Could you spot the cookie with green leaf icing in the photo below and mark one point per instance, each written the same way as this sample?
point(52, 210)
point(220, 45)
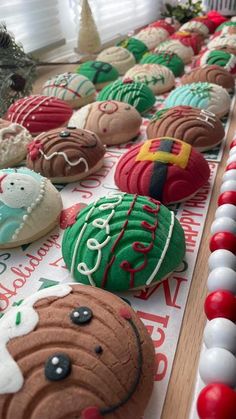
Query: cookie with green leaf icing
point(98, 72)
point(158, 77)
point(166, 58)
point(136, 46)
point(122, 242)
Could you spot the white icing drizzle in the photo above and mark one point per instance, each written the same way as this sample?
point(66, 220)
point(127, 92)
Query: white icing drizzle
point(24, 105)
point(162, 257)
point(11, 377)
point(61, 153)
point(207, 116)
point(92, 243)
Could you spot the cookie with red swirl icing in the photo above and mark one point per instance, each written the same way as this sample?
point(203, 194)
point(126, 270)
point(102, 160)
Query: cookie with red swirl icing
point(65, 155)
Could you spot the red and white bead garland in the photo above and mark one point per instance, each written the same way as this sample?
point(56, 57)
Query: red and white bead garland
point(217, 367)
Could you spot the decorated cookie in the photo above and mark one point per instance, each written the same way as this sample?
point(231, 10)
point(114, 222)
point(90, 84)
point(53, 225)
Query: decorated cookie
point(226, 30)
point(152, 37)
point(175, 46)
point(138, 95)
point(189, 39)
point(227, 24)
point(114, 122)
point(123, 242)
point(137, 47)
point(65, 155)
point(13, 143)
point(198, 127)
point(98, 72)
point(75, 89)
point(208, 22)
point(158, 77)
point(39, 113)
point(168, 59)
point(208, 96)
point(223, 42)
point(195, 26)
point(119, 57)
point(72, 351)
point(30, 207)
point(217, 57)
point(212, 74)
point(163, 168)
point(163, 24)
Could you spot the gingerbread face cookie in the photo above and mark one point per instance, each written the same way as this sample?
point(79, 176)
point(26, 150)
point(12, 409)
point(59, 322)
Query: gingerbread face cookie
point(168, 59)
point(137, 47)
point(136, 94)
point(30, 207)
point(75, 89)
point(217, 57)
point(122, 242)
point(39, 113)
point(114, 122)
point(119, 57)
point(66, 155)
point(98, 72)
point(164, 168)
point(211, 74)
point(152, 37)
point(208, 96)
point(157, 77)
point(13, 143)
point(198, 127)
point(74, 351)
point(175, 46)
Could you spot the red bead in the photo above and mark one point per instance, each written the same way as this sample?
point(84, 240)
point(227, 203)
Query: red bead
point(125, 313)
point(220, 303)
point(231, 166)
point(223, 240)
point(233, 143)
point(217, 401)
point(91, 413)
point(228, 197)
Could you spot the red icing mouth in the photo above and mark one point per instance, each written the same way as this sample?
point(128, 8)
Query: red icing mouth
point(1, 179)
point(91, 413)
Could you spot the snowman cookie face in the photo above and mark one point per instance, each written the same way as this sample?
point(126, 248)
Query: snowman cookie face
point(18, 190)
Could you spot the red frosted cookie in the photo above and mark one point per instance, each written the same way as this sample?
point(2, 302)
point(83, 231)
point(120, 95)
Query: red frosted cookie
point(164, 25)
point(163, 168)
point(39, 113)
point(189, 39)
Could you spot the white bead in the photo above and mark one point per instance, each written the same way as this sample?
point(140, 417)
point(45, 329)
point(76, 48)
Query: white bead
point(217, 365)
point(232, 151)
point(229, 175)
point(229, 185)
point(226, 210)
point(223, 224)
point(231, 159)
point(222, 257)
point(220, 333)
point(59, 370)
point(55, 360)
point(222, 278)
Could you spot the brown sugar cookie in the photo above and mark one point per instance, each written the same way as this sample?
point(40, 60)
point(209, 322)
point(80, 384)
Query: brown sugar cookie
point(65, 155)
point(73, 351)
point(211, 74)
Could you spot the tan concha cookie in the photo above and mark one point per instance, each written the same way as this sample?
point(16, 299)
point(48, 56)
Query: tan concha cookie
point(195, 26)
point(119, 57)
point(198, 127)
point(14, 139)
point(223, 42)
point(175, 46)
point(212, 74)
point(158, 78)
point(73, 351)
point(65, 155)
point(151, 36)
point(114, 122)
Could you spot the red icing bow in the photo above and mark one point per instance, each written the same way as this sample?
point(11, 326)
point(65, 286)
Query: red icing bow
point(127, 81)
point(33, 149)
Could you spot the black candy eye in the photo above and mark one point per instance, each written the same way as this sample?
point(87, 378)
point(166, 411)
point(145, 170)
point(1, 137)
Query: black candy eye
point(81, 315)
point(12, 183)
point(22, 189)
point(98, 349)
point(57, 367)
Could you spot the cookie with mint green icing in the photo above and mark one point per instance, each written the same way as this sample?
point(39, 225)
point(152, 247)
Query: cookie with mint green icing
point(166, 58)
point(136, 94)
point(208, 96)
point(98, 72)
point(217, 57)
point(122, 242)
point(137, 47)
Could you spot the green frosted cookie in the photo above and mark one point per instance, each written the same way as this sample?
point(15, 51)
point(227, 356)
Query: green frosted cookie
point(123, 241)
point(137, 47)
point(136, 94)
point(99, 72)
point(168, 59)
point(224, 24)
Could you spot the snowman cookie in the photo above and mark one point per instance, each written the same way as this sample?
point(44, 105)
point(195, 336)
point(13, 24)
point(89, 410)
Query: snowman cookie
point(30, 207)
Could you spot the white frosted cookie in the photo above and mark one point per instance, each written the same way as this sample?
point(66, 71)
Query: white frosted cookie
point(13, 143)
point(227, 42)
point(119, 57)
point(30, 207)
point(152, 37)
point(195, 26)
point(158, 78)
point(175, 46)
point(73, 88)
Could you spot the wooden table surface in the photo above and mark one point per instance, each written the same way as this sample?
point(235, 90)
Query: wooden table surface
point(183, 376)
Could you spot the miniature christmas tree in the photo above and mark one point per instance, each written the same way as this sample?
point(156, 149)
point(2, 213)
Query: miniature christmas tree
point(88, 40)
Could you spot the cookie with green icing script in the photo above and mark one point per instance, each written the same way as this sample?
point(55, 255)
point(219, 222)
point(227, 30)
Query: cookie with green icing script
point(122, 242)
point(136, 94)
point(137, 47)
point(98, 72)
